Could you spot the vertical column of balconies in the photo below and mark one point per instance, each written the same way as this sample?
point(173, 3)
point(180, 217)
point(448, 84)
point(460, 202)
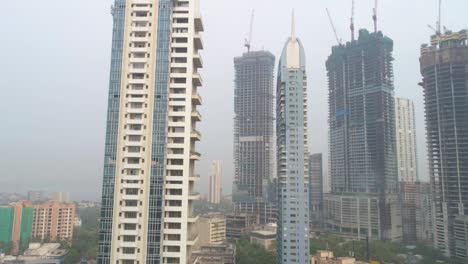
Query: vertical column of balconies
point(179, 233)
point(135, 134)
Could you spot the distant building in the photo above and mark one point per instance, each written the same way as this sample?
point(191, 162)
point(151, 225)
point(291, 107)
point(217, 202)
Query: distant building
point(316, 189)
point(36, 196)
point(253, 132)
point(407, 155)
point(363, 158)
point(16, 225)
point(49, 253)
point(238, 224)
point(444, 65)
point(264, 238)
point(215, 254)
point(61, 197)
point(53, 220)
point(215, 187)
point(326, 257)
point(424, 213)
point(211, 229)
point(409, 194)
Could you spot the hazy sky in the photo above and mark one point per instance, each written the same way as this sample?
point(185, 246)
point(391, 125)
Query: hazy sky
point(54, 69)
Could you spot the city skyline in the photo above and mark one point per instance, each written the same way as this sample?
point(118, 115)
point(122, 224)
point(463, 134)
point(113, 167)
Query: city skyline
point(89, 120)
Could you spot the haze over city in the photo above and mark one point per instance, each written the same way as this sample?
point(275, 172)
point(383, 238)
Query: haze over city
point(55, 71)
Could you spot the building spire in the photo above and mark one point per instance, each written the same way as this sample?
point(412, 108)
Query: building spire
point(293, 27)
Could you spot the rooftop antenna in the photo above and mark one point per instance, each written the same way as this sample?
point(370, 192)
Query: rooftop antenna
point(293, 27)
point(333, 27)
point(352, 21)
point(248, 42)
point(439, 19)
point(374, 16)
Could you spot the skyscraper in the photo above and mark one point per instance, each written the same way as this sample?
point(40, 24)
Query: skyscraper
point(253, 133)
point(444, 67)
point(407, 157)
point(148, 184)
point(364, 200)
point(316, 189)
point(292, 154)
point(215, 182)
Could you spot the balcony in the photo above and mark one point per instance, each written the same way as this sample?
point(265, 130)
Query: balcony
point(196, 116)
point(194, 196)
point(198, 42)
point(194, 178)
point(140, 29)
point(193, 219)
point(195, 155)
point(196, 99)
point(192, 239)
point(199, 24)
point(197, 61)
point(197, 79)
point(195, 135)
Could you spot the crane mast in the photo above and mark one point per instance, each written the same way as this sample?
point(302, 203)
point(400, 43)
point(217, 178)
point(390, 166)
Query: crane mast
point(248, 41)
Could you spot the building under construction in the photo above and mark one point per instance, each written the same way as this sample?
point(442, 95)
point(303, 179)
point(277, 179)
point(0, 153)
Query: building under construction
point(444, 67)
point(362, 139)
point(253, 134)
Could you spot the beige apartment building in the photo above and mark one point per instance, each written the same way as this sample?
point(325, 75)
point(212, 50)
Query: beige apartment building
point(212, 230)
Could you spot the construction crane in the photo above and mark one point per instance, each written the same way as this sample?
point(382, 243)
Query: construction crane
point(333, 27)
point(438, 28)
point(351, 26)
point(248, 42)
point(374, 16)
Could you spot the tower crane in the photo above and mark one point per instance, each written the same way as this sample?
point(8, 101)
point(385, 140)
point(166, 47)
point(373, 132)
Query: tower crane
point(248, 42)
point(333, 27)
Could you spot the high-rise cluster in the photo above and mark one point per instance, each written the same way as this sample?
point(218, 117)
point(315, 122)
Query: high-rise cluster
point(150, 154)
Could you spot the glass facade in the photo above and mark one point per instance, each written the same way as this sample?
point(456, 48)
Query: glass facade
point(105, 230)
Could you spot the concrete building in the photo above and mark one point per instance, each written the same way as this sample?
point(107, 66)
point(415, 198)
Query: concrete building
point(424, 213)
point(363, 159)
point(407, 158)
point(316, 190)
point(215, 254)
point(444, 65)
point(254, 159)
point(460, 230)
point(211, 229)
point(264, 238)
point(16, 226)
point(215, 186)
point(238, 224)
point(53, 221)
point(61, 197)
point(48, 253)
point(326, 257)
point(407, 155)
point(150, 152)
point(292, 154)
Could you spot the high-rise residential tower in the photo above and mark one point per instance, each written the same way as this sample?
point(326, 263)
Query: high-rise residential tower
point(253, 133)
point(407, 159)
point(407, 156)
point(316, 189)
point(150, 156)
point(292, 154)
point(364, 199)
point(215, 191)
point(444, 67)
